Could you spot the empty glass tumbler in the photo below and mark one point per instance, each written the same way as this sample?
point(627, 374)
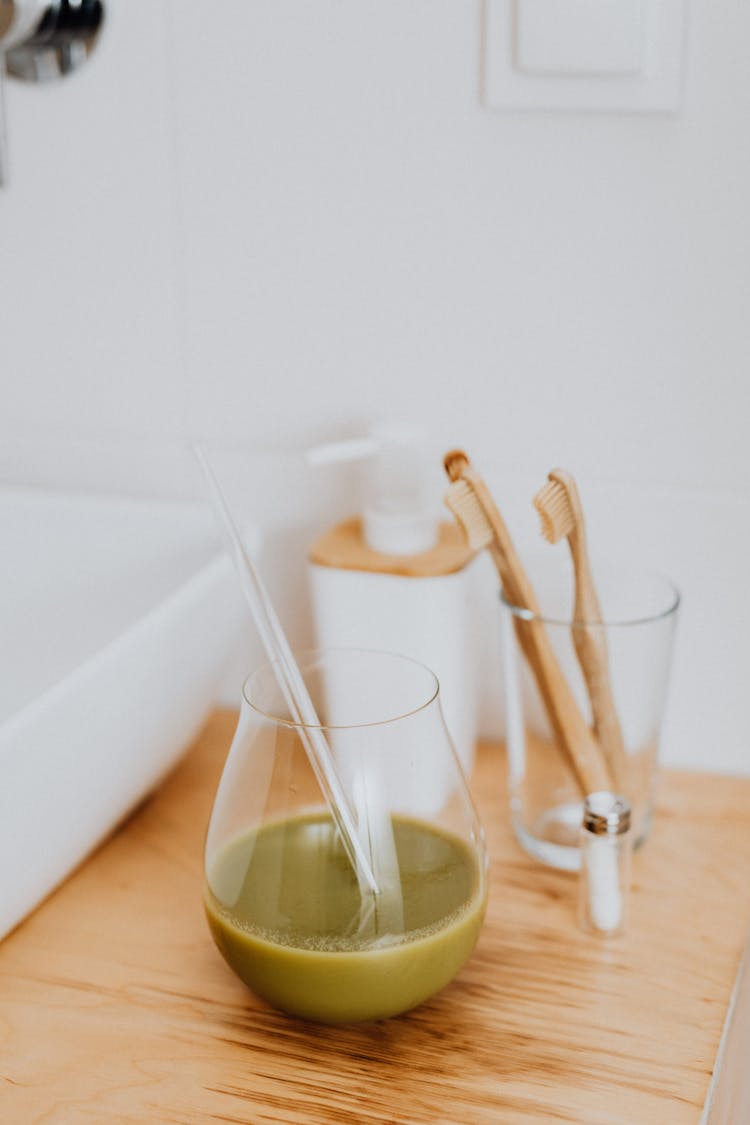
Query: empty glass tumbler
point(639, 613)
point(286, 906)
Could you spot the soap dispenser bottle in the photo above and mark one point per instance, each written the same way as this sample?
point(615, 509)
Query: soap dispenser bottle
point(396, 577)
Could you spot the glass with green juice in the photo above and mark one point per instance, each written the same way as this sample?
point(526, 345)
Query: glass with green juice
point(287, 907)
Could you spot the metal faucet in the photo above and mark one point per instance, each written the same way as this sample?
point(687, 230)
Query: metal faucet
point(42, 40)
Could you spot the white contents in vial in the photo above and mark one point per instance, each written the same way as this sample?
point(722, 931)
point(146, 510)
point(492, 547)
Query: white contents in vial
point(605, 897)
point(605, 863)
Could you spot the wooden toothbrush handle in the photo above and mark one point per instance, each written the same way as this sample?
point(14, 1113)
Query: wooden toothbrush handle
point(572, 733)
point(591, 650)
point(515, 582)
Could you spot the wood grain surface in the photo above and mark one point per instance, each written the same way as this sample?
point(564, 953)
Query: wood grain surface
point(116, 1007)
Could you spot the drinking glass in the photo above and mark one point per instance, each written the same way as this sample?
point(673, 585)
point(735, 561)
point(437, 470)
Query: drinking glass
point(286, 907)
point(639, 613)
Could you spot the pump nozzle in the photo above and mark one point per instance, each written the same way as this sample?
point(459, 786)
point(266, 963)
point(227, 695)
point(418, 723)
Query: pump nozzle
point(396, 516)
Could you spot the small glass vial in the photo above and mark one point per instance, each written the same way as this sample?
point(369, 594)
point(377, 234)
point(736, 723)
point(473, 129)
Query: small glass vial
point(604, 883)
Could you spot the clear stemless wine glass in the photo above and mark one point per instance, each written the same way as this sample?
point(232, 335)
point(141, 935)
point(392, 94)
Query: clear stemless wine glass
point(284, 903)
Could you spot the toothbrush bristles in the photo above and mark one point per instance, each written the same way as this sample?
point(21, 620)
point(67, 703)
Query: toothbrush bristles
point(468, 511)
point(455, 462)
point(555, 511)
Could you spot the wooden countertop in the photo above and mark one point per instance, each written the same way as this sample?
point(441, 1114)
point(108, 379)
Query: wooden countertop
point(116, 1007)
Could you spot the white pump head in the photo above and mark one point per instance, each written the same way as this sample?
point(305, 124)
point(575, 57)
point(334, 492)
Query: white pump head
point(396, 516)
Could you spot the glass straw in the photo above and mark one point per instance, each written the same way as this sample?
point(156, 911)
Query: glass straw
point(292, 684)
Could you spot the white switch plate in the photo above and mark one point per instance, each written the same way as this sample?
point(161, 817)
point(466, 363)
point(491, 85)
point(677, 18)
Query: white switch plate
point(579, 37)
point(615, 68)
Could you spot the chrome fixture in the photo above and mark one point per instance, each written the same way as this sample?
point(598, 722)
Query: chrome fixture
point(44, 39)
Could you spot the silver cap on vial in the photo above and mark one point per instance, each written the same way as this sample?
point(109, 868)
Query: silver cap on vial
point(606, 814)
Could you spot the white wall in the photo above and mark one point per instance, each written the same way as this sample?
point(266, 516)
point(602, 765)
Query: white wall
point(271, 225)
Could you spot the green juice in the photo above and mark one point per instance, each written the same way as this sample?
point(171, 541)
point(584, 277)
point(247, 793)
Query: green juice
point(285, 910)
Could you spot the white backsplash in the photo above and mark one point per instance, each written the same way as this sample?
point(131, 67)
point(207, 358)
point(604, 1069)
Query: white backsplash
point(269, 226)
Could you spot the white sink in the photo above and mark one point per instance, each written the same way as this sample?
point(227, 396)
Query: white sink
point(117, 620)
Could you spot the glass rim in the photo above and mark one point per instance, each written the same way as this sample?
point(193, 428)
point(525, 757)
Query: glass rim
point(672, 591)
point(340, 651)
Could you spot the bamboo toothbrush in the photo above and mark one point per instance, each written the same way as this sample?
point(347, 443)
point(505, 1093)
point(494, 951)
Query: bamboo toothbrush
point(472, 504)
point(561, 512)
